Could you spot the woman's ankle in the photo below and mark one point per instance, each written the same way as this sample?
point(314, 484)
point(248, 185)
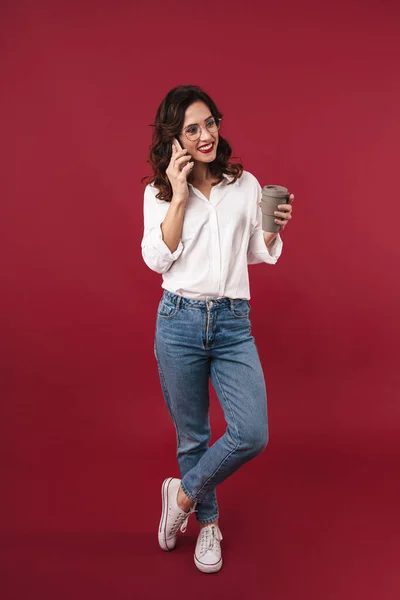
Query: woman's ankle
point(184, 502)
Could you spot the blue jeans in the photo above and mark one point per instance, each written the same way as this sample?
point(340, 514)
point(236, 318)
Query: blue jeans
point(196, 340)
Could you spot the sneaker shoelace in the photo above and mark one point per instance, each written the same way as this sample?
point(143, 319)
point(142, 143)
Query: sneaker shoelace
point(181, 522)
point(209, 540)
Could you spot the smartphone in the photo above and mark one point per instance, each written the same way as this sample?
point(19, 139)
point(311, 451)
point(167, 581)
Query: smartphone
point(177, 144)
point(180, 148)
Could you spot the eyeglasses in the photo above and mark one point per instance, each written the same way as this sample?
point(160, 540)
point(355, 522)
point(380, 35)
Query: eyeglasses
point(193, 132)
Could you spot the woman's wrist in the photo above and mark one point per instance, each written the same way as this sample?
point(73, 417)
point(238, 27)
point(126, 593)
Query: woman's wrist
point(178, 199)
point(269, 237)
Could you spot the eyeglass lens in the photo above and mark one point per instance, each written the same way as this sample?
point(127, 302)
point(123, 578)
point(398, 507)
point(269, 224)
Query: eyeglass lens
point(194, 131)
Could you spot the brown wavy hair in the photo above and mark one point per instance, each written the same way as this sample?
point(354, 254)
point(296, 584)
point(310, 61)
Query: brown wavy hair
point(168, 124)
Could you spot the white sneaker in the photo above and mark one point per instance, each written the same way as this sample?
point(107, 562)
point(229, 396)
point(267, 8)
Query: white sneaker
point(207, 556)
point(172, 517)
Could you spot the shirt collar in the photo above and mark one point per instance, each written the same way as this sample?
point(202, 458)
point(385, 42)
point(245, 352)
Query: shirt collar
point(230, 178)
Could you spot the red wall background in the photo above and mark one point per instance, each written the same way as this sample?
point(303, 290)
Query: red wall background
point(310, 95)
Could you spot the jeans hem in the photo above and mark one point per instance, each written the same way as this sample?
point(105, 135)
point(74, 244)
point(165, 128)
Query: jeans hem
point(209, 520)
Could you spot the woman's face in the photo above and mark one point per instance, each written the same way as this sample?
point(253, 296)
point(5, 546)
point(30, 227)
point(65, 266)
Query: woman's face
point(199, 113)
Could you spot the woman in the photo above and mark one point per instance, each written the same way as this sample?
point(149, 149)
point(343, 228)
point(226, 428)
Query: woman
point(202, 227)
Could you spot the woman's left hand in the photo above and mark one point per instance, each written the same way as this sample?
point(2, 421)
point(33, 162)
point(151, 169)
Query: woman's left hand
point(284, 213)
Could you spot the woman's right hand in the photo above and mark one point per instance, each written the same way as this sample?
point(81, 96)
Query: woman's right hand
point(177, 172)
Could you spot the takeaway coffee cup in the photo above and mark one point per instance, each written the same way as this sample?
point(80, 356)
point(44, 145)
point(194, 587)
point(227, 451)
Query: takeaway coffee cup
point(272, 196)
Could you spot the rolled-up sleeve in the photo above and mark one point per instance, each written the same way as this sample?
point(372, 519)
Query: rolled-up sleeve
point(155, 252)
point(257, 251)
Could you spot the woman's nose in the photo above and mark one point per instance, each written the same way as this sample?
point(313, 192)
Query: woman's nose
point(205, 135)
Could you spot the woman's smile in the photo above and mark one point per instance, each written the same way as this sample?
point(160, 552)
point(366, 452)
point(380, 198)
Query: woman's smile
point(207, 148)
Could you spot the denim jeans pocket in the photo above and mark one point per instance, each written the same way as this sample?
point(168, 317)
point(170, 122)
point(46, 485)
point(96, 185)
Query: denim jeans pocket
point(167, 309)
point(240, 308)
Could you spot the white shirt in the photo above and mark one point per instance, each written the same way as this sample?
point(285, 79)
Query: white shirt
point(220, 237)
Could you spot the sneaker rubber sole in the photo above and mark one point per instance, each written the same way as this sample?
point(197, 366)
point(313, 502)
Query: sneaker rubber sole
point(208, 568)
point(162, 539)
